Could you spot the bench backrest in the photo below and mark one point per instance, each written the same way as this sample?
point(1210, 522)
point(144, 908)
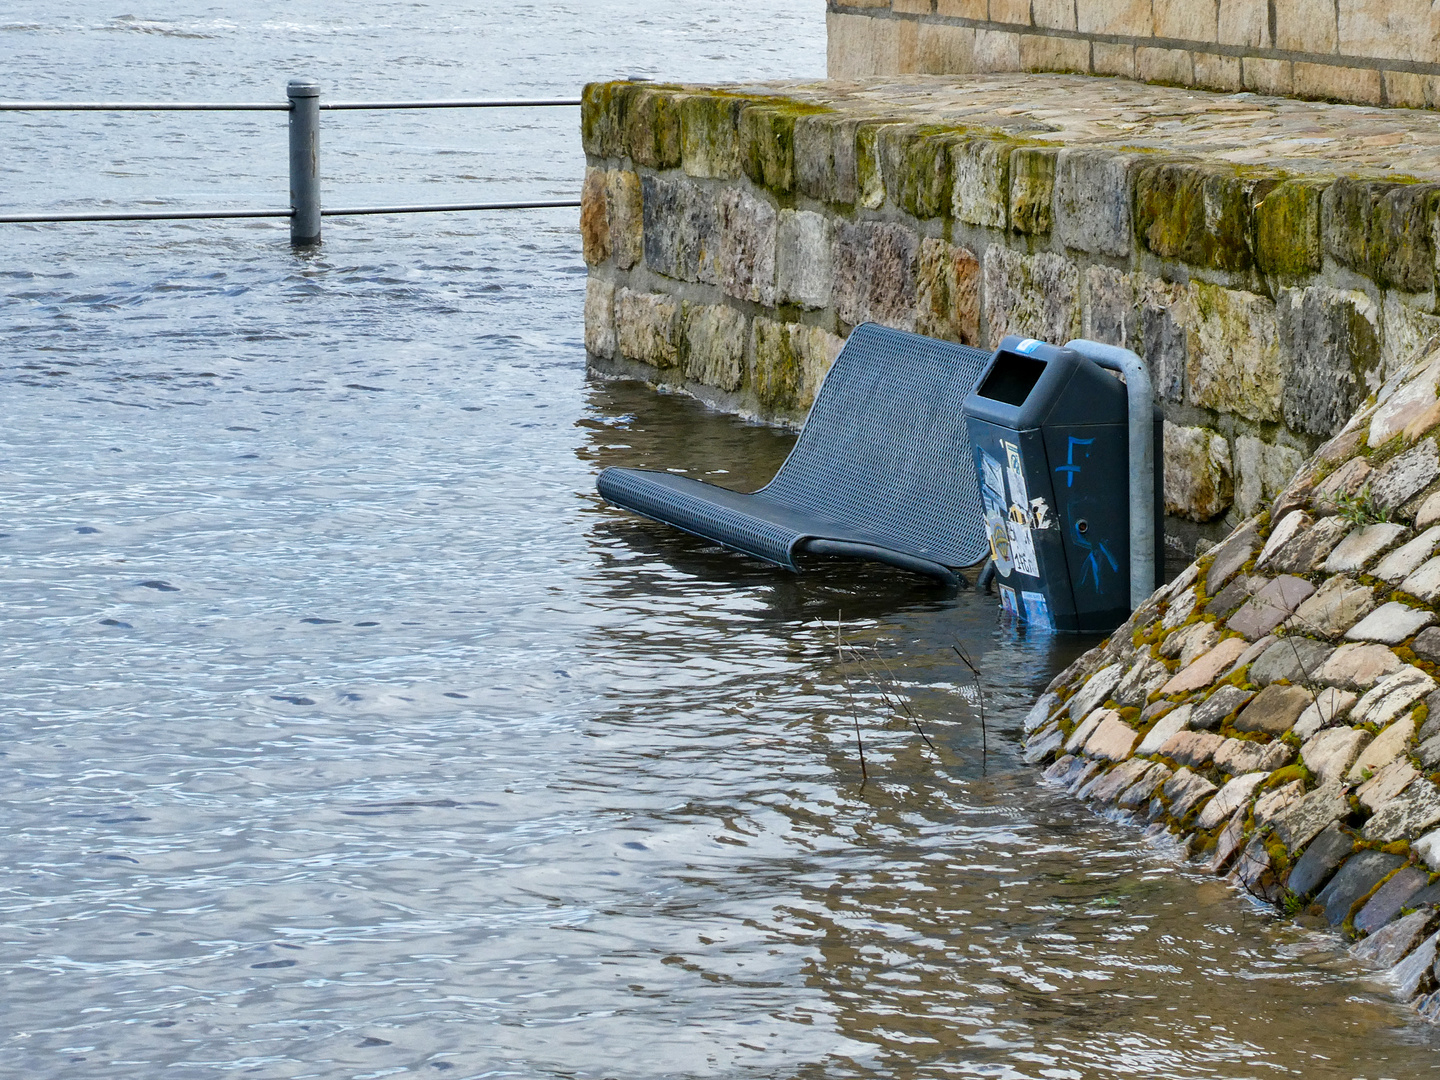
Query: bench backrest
point(884, 447)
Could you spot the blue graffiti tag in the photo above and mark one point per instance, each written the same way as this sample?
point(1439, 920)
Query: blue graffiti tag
point(1070, 468)
point(1092, 560)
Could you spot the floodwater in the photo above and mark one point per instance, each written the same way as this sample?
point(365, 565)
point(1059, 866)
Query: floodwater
point(343, 733)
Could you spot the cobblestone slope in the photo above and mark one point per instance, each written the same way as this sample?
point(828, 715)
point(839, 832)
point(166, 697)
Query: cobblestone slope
point(1277, 707)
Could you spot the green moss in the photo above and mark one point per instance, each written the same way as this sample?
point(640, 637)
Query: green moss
point(598, 120)
point(1399, 847)
point(710, 135)
point(767, 141)
point(652, 126)
point(1287, 229)
point(926, 176)
point(777, 366)
point(1287, 775)
point(1199, 214)
point(1032, 189)
point(1382, 229)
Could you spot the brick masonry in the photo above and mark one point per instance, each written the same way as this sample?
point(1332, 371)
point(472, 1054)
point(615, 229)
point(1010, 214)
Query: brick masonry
point(1272, 260)
point(1375, 52)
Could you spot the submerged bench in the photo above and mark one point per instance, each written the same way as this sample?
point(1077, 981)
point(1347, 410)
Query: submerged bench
point(882, 469)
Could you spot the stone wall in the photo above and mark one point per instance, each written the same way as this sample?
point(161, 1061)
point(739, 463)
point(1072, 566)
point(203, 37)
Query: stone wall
point(736, 235)
point(1276, 708)
point(1379, 52)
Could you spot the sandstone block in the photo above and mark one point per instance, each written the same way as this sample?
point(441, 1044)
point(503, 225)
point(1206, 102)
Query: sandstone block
point(1409, 558)
point(1310, 548)
point(1228, 844)
point(748, 231)
point(1266, 76)
point(1107, 787)
point(1330, 754)
point(1140, 792)
point(1143, 679)
point(1388, 900)
point(1271, 606)
point(816, 349)
point(1330, 708)
point(997, 50)
point(1186, 790)
point(1179, 609)
point(1382, 229)
point(1331, 341)
point(1408, 334)
point(1166, 728)
point(1199, 478)
point(1092, 200)
point(1363, 546)
point(1428, 848)
point(1360, 874)
point(594, 218)
point(646, 327)
point(1037, 296)
point(1195, 748)
point(1304, 820)
point(803, 267)
point(1335, 607)
point(1218, 707)
point(1084, 728)
point(948, 292)
point(1346, 482)
point(1128, 18)
point(1321, 859)
point(1199, 214)
point(1231, 797)
point(1236, 365)
point(919, 170)
point(1412, 812)
point(1040, 52)
point(1390, 624)
point(1391, 696)
point(714, 345)
point(1285, 531)
point(1388, 945)
point(767, 142)
point(1359, 667)
point(1424, 582)
point(1190, 642)
point(941, 49)
point(1427, 645)
point(1405, 476)
point(776, 371)
point(825, 167)
point(652, 127)
point(1275, 802)
point(1239, 756)
point(1305, 26)
point(981, 195)
point(1415, 974)
point(1385, 784)
point(1231, 555)
point(600, 317)
point(1165, 317)
point(1428, 512)
point(1275, 710)
point(709, 135)
point(1262, 471)
point(1096, 690)
point(1109, 308)
point(1206, 669)
point(1292, 658)
point(1287, 229)
point(1392, 30)
point(681, 229)
point(1404, 406)
point(1032, 189)
point(1244, 22)
point(1044, 745)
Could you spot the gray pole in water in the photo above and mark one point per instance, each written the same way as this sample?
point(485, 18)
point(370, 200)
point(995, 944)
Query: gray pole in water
point(304, 95)
point(1143, 577)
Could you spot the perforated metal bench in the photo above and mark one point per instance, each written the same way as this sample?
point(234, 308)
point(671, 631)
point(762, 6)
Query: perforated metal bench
point(882, 469)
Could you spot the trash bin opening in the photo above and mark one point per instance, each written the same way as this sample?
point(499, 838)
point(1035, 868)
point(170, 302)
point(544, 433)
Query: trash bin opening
point(1012, 378)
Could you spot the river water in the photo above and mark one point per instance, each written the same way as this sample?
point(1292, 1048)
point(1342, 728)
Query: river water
point(346, 734)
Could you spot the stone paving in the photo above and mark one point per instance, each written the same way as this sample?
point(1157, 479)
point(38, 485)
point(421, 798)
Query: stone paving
point(1298, 750)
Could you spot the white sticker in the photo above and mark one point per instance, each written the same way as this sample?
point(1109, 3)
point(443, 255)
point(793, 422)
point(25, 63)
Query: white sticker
point(1007, 600)
point(992, 495)
point(1037, 610)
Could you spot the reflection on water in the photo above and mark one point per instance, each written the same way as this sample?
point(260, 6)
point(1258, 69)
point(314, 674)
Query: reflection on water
point(347, 734)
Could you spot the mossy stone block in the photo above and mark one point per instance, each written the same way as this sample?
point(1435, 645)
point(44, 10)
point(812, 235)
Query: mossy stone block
point(652, 126)
point(924, 172)
point(776, 372)
point(1287, 228)
point(1032, 189)
point(599, 124)
point(1382, 229)
point(981, 193)
point(869, 173)
point(767, 141)
point(1198, 214)
point(710, 135)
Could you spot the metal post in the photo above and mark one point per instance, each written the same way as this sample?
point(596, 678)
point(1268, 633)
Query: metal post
point(304, 95)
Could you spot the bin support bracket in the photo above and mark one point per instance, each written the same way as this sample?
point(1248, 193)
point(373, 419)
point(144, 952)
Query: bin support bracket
point(1143, 577)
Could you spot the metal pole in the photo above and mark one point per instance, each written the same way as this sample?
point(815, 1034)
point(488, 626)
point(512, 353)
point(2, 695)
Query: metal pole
point(304, 95)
